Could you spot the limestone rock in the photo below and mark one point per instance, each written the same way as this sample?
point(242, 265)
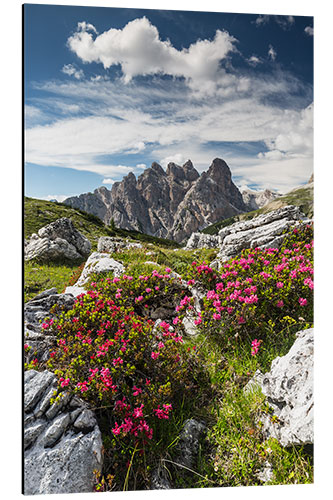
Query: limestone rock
point(35, 312)
point(189, 442)
point(257, 199)
point(263, 231)
point(97, 263)
point(201, 240)
point(58, 240)
point(112, 244)
point(63, 447)
point(289, 391)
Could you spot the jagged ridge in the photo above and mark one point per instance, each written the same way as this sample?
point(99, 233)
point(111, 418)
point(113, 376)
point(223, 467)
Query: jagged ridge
point(169, 204)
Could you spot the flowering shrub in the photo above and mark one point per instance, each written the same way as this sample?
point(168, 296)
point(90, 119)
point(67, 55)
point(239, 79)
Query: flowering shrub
point(111, 355)
point(258, 290)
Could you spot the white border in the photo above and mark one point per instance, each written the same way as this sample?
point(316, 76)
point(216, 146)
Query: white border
point(11, 82)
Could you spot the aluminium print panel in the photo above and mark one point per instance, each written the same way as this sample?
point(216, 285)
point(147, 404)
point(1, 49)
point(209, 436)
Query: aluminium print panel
point(168, 255)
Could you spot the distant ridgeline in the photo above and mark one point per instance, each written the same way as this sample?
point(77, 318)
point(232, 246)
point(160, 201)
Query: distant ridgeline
point(174, 203)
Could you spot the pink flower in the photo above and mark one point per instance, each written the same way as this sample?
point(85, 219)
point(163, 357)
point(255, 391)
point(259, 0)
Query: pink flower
point(163, 413)
point(279, 284)
point(64, 382)
point(216, 316)
point(241, 320)
point(167, 270)
point(136, 390)
point(302, 302)
point(117, 429)
point(137, 412)
point(280, 303)
point(148, 290)
point(138, 299)
point(255, 346)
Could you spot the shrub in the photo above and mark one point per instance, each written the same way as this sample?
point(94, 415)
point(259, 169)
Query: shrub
point(257, 295)
point(133, 374)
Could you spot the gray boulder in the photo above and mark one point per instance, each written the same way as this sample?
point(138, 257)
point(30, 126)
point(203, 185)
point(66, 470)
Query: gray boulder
point(35, 313)
point(58, 240)
point(201, 240)
point(62, 442)
point(112, 244)
point(263, 231)
point(97, 263)
point(288, 387)
point(188, 445)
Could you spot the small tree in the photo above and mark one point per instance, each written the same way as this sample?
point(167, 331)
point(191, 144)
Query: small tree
point(112, 224)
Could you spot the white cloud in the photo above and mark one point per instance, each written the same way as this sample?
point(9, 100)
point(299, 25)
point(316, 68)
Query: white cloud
point(285, 22)
point(274, 155)
point(272, 53)
point(58, 197)
point(108, 181)
point(70, 70)
point(309, 30)
point(254, 60)
point(261, 20)
point(83, 26)
point(140, 51)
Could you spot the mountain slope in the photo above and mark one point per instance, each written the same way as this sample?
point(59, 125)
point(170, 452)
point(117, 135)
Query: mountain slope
point(169, 204)
point(301, 197)
point(39, 213)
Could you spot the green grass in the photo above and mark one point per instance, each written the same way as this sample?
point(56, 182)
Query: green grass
point(39, 213)
point(233, 451)
point(40, 277)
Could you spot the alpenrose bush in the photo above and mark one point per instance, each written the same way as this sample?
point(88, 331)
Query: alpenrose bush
point(254, 295)
point(114, 357)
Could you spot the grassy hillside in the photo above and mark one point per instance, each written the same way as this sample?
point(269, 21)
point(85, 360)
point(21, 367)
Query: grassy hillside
point(301, 197)
point(164, 377)
point(39, 213)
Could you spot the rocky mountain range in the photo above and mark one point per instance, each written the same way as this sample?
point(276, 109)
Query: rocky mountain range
point(171, 203)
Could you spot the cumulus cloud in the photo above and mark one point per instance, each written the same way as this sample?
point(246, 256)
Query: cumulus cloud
point(70, 70)
point(138, 49)
point(108, 181)
point(272, 53)
point(309, 30)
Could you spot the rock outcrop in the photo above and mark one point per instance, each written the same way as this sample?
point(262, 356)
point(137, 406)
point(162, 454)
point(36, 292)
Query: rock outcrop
point(288, 387)
point(62, 442)
point(202, 240)
point(35, 313)
point(112, 244)
point(266, 230)
point(258, 199)
point(97, 263)
point(58, 240)
point(289, 391)
point(169, 204)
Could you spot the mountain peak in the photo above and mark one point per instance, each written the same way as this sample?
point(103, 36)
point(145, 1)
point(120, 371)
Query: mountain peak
point(156, 167)
point(219, 169)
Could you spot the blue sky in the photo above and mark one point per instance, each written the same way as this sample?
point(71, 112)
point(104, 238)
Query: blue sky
point(110, 90)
